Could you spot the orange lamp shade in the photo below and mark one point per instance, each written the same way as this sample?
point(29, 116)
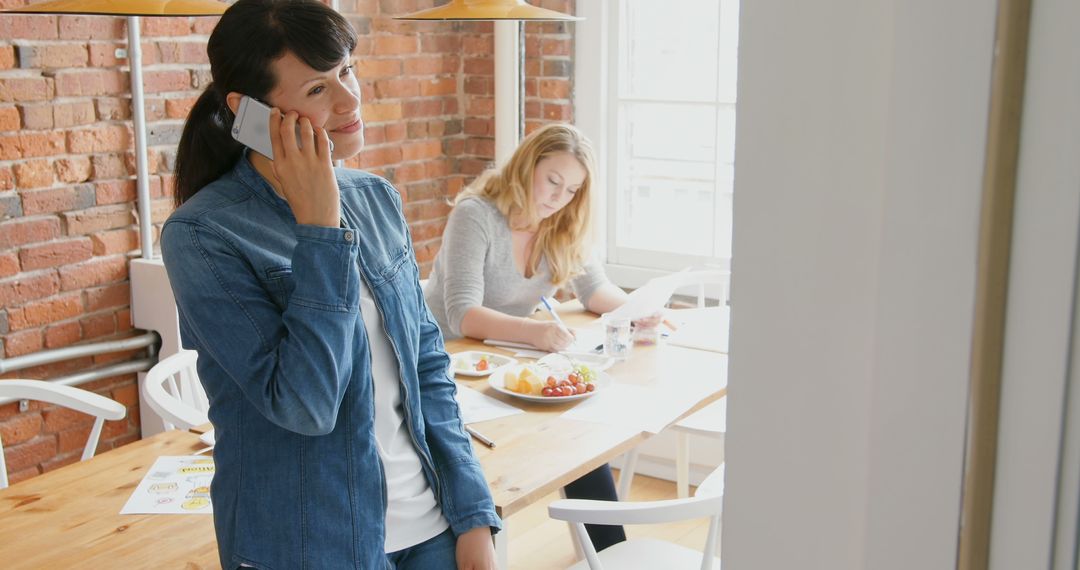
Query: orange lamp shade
point(487, 10)
point(127, 7)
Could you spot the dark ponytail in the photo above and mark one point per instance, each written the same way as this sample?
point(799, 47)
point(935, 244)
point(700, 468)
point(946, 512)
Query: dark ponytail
point(245, 42)
point(207, 149)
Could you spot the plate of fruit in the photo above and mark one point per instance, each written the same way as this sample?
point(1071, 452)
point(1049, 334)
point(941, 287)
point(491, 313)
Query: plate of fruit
point(478, 363)
point(549, 385)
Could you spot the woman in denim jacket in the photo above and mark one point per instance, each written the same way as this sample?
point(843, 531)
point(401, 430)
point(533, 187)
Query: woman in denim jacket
point(339, 442)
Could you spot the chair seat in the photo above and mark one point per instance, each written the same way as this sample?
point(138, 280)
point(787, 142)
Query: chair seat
point(710, 421)
point(647, 553)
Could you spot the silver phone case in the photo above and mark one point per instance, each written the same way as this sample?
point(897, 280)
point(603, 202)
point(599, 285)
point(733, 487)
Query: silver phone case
point(252, 127)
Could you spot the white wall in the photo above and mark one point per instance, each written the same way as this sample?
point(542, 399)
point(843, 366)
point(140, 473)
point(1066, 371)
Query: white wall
point(1041, 290)
point(859, 157)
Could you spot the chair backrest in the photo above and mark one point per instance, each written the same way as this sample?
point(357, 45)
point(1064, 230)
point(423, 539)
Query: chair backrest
point(77, 399)
point(702, 279)
point(172, 389)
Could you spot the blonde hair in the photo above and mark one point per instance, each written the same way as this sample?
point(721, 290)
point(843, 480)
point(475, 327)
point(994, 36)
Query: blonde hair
point(563, 237)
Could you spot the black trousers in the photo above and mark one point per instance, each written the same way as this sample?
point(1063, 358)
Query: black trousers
point(598, 484)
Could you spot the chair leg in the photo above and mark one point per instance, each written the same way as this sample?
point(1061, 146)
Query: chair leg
point(682, 465)
point(626, 474)
point(579, 552)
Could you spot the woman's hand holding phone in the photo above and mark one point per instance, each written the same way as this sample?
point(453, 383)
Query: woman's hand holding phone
point(305, 172)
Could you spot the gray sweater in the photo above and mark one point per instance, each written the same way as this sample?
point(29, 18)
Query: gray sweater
point(475, 267)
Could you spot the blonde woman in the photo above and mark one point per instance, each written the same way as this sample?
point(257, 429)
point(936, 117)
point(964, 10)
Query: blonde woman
point(516, 234)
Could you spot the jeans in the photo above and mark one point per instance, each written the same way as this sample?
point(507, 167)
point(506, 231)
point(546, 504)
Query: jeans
point(435, 553)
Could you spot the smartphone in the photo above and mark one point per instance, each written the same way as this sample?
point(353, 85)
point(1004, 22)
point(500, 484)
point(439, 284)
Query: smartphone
point(252, 127)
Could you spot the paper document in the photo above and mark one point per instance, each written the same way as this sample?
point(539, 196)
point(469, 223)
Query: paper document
point(703, 329)
point(651, 297)
point(476, 407)
point(175, 484)
point(588, 341)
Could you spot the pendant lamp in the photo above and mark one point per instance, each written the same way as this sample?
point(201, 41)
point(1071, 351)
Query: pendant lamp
point(126, 7)
point(488, 10)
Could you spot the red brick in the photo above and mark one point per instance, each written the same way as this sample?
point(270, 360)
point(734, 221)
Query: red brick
point(20, 428)
point(182, 52)
point(481, 106)
point(395, 45)
point(7, 182)
point(74, 169)
point(113, 242)
point(97, 271)
point(28, 27)
point(7, 57)
point(115, 295)
point(113, 108)
point(477, 45)
point(428, 65)
point(204, 25)
point(478, 66)
point(436, 169)
point(91, 28)
point(479, 86)
point(106, 166)
point(555, 88)
point(368, 69)
point(53, 56)
point(479, 127)
point(395, 132)
point(45, 311)
point(123, 320)
point(73, 114)
point(20, 343)
point(84, 82)
point(55, 253)
point(59, 418)
point(20, 231)
point(9, 264)
point(27, 287)
point(113, 430)
point(381, 112)
point(440, 43)
point(17, 89)
point(33, 174)
point(179, 108)
point(63, 334)
point(421, 149)
point(30, 453)
point(104, 54)
point(99, 325)
point(38, 116)
point(30, 145)
point(550, 47)
point(445, 86)
point(103, 138)
point(97, 219)
point(396, 88)
point(9, 119)
point(168, 80)
point(558, 112)
point(166, 26)
point(115, 191)
point(128, 395)
point(422, 108)
point(56, 200)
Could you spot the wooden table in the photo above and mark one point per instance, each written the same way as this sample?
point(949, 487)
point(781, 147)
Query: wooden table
point(540, 451)
point(69, 518)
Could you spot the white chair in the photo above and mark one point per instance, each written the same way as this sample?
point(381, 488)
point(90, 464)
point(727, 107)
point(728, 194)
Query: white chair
point(647, 553)
point(76, 399)
point(710, 421)
point(173, 391)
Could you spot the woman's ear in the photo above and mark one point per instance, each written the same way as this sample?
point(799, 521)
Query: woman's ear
point(233, 100)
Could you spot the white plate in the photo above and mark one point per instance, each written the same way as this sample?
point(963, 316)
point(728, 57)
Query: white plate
point(469, 359)
point(602, 382)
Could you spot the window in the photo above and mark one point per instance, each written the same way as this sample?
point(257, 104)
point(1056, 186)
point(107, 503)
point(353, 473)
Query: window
point(656, 92)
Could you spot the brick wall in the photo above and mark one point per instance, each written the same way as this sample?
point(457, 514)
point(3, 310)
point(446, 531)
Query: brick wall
point(67, 188)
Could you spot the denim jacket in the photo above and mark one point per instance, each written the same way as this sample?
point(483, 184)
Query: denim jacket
point(273, 308)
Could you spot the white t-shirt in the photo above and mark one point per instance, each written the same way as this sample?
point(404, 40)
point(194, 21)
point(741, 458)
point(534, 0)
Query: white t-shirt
point(412, 515)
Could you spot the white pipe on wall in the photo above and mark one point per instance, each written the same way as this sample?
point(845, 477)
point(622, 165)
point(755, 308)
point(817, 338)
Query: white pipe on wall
point(507, 89)
point(138, 112)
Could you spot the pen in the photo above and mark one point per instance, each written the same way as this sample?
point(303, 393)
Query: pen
point(554, 315)
point(480, 437)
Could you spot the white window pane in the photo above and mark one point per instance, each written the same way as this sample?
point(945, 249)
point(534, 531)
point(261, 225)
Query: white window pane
point(662, 214)
point(670, 132)
point(666, 52)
